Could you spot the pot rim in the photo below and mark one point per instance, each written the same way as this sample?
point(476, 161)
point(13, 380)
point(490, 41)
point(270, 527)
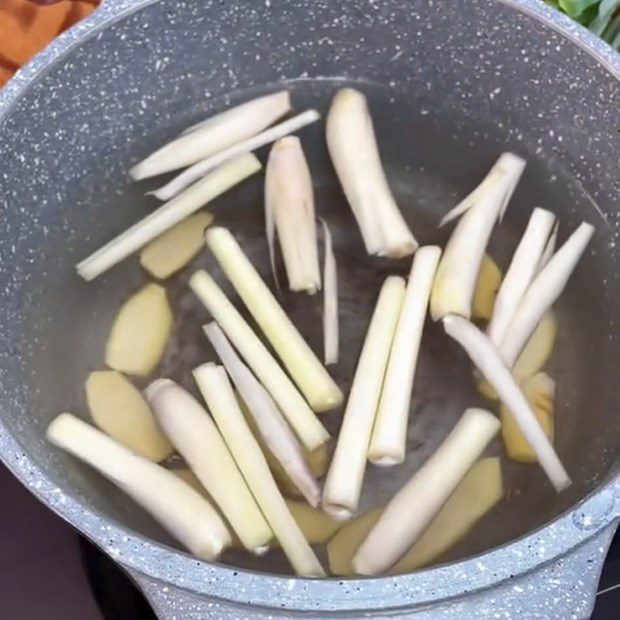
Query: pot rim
point(178, 569)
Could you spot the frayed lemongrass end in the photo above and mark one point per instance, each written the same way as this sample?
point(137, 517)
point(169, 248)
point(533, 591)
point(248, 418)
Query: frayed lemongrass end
point(331, 338)
point(507, 170)
point(487, 358)
point(193, 173)
point(457, 274)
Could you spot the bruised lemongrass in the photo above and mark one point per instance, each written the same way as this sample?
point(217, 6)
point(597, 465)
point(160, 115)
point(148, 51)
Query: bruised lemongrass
point(181, 510)
point(389, 434)
point(413, 508)
point(343, 485)
point(220, 398)
point(276, 433)
point(488, 360)
point(216, 134)
point(331, 335)
point(546, 287)
point(289, 206)
point(354, 152)
point(193, 198)
point(199, 169)
point(458, 269)
point(319, 389)
point(295, 409)
point(521, 272)
point(192, 431)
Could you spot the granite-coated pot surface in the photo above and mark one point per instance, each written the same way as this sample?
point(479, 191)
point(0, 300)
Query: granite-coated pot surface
point(451, 85)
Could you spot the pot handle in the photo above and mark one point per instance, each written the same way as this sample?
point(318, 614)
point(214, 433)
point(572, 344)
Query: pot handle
point(564, 588)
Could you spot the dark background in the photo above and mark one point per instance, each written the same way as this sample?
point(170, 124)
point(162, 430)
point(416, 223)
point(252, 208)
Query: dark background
point(48, 571)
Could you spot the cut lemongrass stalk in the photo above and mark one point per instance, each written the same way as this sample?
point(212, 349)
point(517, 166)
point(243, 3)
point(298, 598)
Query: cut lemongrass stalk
point(413, 508)
point(343, 485)
point(220, 399)
point(353, 149)
point(389, 434)
point(546, 287)
point(521, 272)
point(193, 433)
point(193, 198)
point(331, 335)
point(274, 430)
point(302, 364)
point(180, 509)
point(549, 248)
point(540, 393)
point(457, 273)
point(216, 134)
point(289, 197)
point(302, 419)
point(199, 169)
point(488, 360)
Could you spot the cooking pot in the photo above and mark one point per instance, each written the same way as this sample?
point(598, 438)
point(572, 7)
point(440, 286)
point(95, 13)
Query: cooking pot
point(450, 85)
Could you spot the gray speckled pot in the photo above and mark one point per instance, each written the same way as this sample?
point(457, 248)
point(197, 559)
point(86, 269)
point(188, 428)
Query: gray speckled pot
point(512, 73)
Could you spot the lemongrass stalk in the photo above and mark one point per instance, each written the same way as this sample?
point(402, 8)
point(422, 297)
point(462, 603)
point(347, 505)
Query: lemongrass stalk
point(487, 359)
point(214, 135)
point(549, 248)
point(174, 504)
point(302, 419)
point(521, 272)
point(457, 273)
point(331, 334)
point(289, 197)
point(354, 152)
point(220, 398)
point(389, 434)
point(543, 292)
point(275, 432)
point(306, 370)
point(199, 169)
point(413, 508)
point(193, 198)
point(345, 477)
point(193, 433)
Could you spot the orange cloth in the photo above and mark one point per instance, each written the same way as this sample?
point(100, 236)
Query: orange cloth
point(27, 27)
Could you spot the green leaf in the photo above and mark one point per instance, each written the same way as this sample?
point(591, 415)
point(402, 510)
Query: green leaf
point(575, 8)
point(606, 11)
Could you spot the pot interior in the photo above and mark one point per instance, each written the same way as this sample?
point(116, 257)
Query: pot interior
point(447, 96)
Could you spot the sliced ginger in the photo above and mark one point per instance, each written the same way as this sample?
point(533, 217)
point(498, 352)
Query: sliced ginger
point(478, 492)
point(540, 392)
point(140, 332)
point(175, 248)
point(534, 356)
point(316, 526)
point(119, 409)
point(489, 280)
